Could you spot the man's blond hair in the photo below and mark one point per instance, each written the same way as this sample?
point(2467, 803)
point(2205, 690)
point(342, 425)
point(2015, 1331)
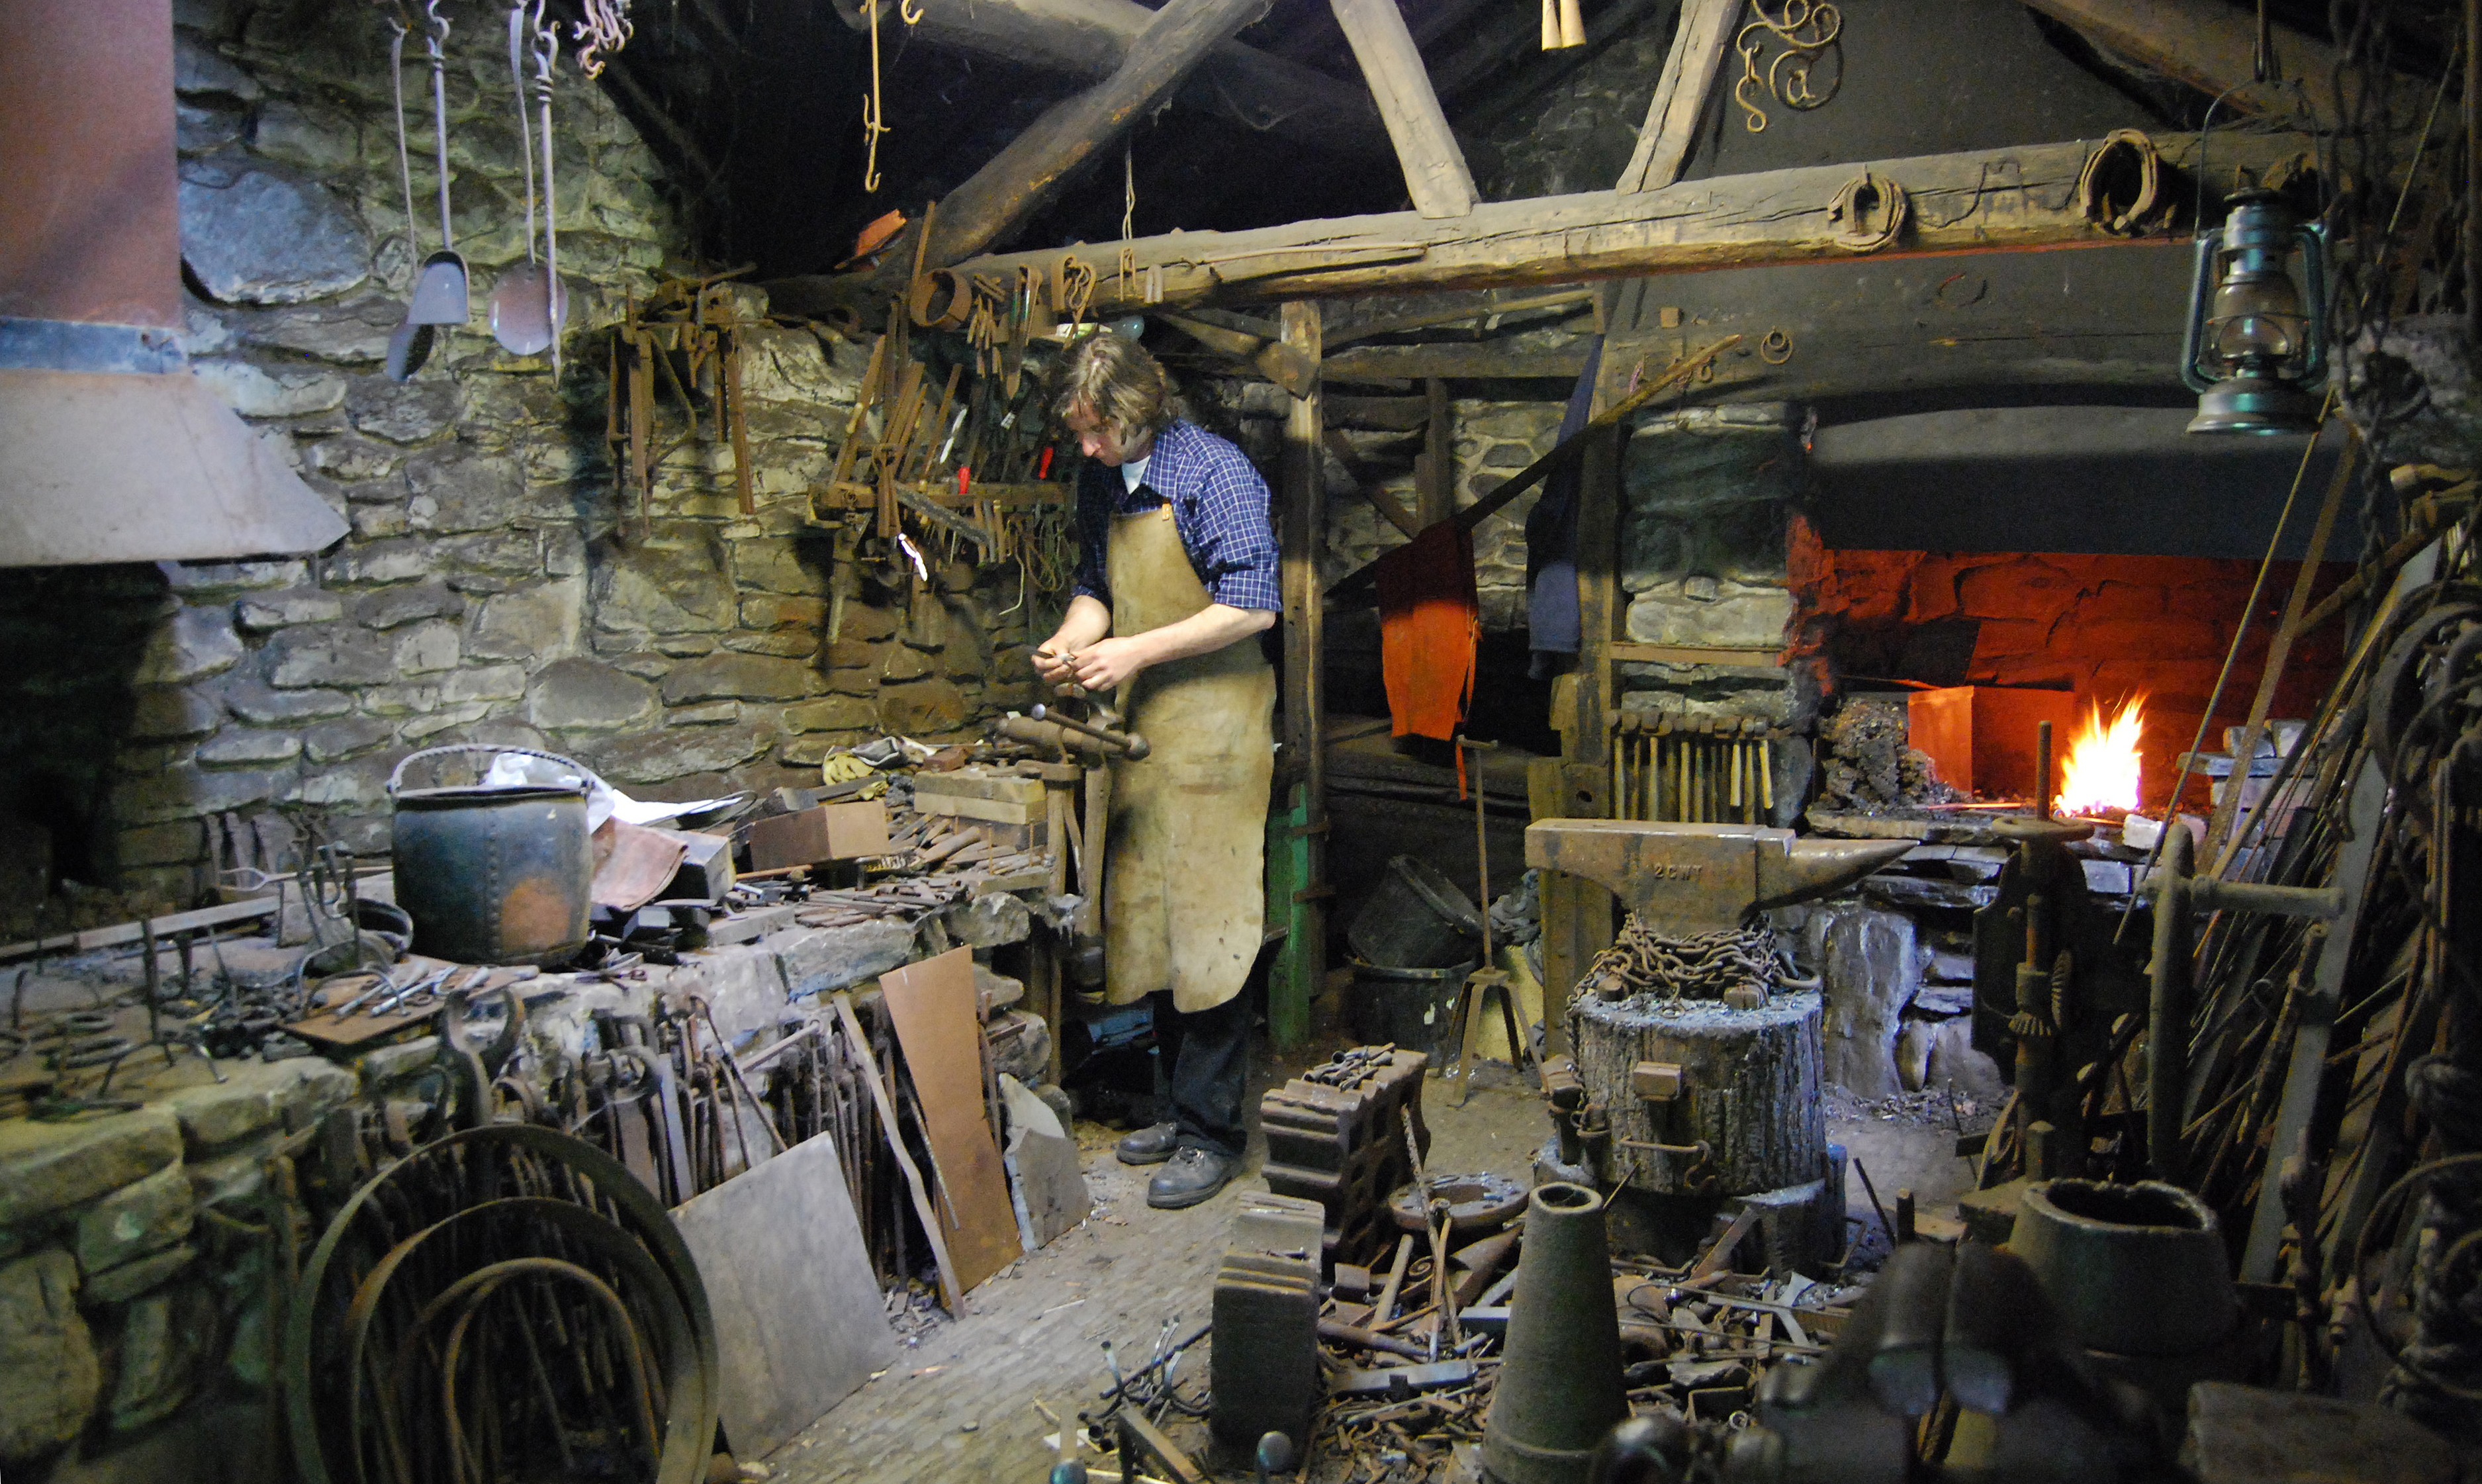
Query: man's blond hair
point(1111, 379)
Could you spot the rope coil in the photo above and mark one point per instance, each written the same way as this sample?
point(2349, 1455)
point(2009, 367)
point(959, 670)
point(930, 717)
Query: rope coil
point(1852, 209)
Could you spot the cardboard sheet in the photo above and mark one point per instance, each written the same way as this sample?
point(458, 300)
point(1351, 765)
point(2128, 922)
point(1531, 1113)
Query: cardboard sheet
point(932, 1005)
point(798, 1314)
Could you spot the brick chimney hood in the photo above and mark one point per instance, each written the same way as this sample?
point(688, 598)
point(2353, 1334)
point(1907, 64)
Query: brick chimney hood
point(109, 449)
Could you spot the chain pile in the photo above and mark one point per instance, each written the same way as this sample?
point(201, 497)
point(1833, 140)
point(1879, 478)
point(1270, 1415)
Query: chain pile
point(1703, 966)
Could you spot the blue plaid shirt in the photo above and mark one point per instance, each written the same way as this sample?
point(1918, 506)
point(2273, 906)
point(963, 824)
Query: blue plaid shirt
point(1219, 506)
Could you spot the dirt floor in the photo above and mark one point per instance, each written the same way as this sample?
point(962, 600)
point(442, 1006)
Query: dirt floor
point(965, 1400)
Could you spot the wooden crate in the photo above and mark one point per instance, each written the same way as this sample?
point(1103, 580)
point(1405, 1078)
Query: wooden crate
point(1981, 737)
point(831, 832)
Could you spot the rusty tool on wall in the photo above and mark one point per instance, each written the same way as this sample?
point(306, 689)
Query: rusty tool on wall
point(524, 312)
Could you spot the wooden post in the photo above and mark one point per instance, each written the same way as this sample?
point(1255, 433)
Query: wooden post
point(1576, 913)
point(1435, 167)
point(1435, 493)
point(1300, 532)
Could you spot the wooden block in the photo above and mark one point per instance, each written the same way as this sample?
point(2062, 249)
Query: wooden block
point(832, 832)
point(1352, 1284)
point(1000, 811)
point(1656, 1081)
point(978, 784)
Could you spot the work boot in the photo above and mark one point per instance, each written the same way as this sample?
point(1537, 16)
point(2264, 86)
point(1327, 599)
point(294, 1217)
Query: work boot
point(1151, 1145)
point(1192, 1176)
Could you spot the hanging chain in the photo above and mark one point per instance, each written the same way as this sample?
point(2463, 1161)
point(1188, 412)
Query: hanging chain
point(1703, 966)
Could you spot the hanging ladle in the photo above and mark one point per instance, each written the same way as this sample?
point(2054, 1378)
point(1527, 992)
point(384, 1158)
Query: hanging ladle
point(522, 317)
point(440, 296)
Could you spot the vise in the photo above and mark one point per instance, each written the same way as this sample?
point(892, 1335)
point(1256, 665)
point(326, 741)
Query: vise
point(1684, 879)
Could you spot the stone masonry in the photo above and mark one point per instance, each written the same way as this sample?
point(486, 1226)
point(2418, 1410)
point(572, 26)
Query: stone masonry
point(494, 587)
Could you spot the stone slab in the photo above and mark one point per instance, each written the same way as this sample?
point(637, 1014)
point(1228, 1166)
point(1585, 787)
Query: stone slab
point(259, 1095)
point(49, 1167)
point(137, 1219)
point(816, 960)
point(120, 1284)
point(49, 1374)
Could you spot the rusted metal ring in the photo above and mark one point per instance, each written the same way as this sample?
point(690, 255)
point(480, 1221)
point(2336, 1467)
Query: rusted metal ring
point(941, 300)
point(1478, 1205)
point(1775, 347)
point(608, 1179)
point(690, 1393)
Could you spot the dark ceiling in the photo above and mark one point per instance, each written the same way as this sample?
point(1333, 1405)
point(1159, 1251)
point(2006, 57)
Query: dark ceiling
point(762, 108)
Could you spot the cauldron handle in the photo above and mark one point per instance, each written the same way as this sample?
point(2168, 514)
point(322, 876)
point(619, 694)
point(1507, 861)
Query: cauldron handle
point(396, 779)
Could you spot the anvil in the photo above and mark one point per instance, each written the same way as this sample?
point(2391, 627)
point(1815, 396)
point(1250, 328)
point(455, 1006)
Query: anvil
point(1685, 879)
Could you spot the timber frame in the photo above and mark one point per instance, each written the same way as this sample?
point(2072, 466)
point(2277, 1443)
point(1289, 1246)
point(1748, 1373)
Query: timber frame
point(2016, 198)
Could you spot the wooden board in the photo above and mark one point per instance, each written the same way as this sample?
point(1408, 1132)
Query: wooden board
point(932, 1005)
point(798, 1314)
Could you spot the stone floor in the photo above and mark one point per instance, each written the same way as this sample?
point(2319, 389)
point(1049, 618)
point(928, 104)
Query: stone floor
point(960, 1403)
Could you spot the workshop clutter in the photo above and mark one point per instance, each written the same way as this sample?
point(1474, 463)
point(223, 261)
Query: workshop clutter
point(695, 1050)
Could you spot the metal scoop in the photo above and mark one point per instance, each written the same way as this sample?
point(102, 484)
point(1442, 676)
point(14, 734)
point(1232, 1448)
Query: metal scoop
point(410, 345)
point(523, 320)
point(442, 295)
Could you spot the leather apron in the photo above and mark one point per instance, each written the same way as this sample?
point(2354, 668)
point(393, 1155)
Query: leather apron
point(1184, 891)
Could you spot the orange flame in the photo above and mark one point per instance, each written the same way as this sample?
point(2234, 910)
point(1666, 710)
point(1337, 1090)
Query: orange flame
point(2101, 771)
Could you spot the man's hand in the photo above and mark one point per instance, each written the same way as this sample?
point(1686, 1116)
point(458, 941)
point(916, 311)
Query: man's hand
point(1103, 665)
point(1054, 662)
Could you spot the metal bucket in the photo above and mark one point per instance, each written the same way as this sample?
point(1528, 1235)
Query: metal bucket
point(1416, 919)
point(493, 875)
point(1413, 1008)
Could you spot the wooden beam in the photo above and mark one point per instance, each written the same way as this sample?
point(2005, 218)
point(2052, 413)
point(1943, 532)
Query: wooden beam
point(1924, 330)
point(1454, 363)
point(1435, 167)
point(1300, 532)
point(1271, 359)
point(1026, 175)
point(1434, 495)
point(1088, 40)
point(2018, 197)
point(2206, 45)
point(1367, 486)
point(1698, 46)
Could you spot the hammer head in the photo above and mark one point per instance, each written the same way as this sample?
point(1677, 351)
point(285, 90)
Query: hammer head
point(1685, 879)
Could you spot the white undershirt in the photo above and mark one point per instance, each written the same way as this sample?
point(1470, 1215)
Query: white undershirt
point(1134, 472)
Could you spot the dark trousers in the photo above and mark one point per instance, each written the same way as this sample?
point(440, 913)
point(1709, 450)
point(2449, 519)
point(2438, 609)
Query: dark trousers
point(1206, 1058)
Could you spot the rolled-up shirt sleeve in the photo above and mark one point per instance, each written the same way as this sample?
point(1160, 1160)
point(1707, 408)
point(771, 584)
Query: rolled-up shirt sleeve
point(1094, 524)
point(1231, 539)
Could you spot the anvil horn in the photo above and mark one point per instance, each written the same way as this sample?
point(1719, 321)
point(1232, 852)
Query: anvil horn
point(1811, 869)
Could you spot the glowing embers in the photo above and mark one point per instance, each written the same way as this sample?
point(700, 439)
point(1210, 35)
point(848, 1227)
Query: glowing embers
point(2099, 774)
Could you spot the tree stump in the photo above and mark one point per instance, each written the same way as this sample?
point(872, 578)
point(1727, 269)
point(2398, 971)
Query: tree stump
point(1749, 1090)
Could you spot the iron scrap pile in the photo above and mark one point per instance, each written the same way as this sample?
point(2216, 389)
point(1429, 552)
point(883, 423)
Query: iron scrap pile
point(1697, 1344)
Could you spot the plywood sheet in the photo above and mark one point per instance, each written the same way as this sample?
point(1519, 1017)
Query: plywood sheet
point(797, 1313)
point(932, 1005)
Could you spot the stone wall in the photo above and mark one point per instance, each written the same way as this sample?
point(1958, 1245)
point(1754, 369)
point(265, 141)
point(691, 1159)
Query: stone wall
point(495, 585)
point(1703, 561)
point(1578, 135)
